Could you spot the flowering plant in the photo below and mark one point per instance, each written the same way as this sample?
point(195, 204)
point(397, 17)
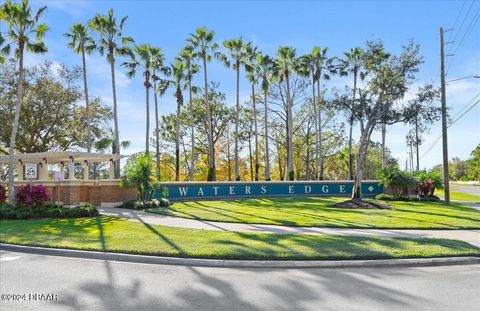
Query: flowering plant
point(34, 196)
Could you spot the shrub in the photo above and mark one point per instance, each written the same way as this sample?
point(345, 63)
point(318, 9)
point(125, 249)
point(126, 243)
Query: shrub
point(397, 180)
point(130, 204)
point(428, 182)
point(34, 196)
point(139, 173)
point(51, 211)
point(138, 205)
point(3, 194)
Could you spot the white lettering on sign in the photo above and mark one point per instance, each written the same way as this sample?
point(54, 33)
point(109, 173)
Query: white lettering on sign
point(290, 189)
point(183, 191)
point(232, 190)
point(247, 190)
point(325, 189)
point(308, 189)
point(31, 171)
point(263, 189)
point(342, 188)
point(215, 189)
point(200, 191)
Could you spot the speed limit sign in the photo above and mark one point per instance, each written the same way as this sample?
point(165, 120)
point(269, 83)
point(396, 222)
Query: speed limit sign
point(31, 171)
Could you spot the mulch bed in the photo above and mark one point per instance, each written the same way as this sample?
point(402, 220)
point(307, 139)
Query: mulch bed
point(358, 203)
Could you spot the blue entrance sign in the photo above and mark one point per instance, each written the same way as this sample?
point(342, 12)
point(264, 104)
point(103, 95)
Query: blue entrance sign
point(182, 191)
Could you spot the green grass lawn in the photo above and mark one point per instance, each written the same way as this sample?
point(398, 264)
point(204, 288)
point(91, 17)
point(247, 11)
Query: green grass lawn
point(120, 235)
point(463, 197)
point(315, 212)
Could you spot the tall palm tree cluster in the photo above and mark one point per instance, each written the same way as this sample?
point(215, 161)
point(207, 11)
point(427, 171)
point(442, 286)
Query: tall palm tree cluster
point(104, 34)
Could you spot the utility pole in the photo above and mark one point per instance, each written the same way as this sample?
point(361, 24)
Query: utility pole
point(444, 120)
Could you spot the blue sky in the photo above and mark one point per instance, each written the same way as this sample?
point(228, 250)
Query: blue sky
point(338, 25)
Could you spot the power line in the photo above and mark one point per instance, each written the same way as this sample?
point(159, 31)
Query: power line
point(462, 78)
point(464, 107)
point(453, 122)
point(471, 107)
point(453, 50)
point(456, 20)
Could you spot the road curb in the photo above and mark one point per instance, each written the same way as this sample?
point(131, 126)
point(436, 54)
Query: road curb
point(218, 263)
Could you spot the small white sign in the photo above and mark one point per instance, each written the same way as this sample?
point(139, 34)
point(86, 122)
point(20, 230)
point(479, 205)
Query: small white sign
point(31, 171)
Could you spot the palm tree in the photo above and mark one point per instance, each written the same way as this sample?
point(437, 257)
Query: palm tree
point(313, 65)
point(2, 41)
point(179, 72)
point(202, 43)
point(81, 42)
point(158, 65)
point(112, 43)
point(22, 24)
point(308, 69)
point(235, 58)
point(186, 55)
point(144, 59)
point(352, 64)
point(286, 64)
point(265, 64)
point(323, 68)
point(253, 70)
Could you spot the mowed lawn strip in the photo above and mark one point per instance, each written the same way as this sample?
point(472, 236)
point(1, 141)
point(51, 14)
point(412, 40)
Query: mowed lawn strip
point(463, 197)
point(316, 212)
point(126, 236)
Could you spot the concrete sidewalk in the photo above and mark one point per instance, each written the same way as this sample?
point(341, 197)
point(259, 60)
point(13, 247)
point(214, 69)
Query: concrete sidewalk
point(469, 236)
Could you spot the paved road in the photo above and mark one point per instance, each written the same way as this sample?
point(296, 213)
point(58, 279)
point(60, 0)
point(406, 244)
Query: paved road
point(83, 284)
point(475, 190)
point(469, 236)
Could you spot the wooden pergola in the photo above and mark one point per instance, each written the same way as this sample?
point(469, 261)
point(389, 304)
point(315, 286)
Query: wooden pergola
point(61, 158)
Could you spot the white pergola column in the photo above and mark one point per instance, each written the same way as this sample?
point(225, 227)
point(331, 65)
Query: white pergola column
point(62, 170)
point(20, 170)
point(86, 170)
point(111, 170)
point(71, 169)
point(44, 170)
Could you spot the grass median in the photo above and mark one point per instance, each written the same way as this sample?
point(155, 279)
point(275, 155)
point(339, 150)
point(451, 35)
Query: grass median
point(316, 212)
point(119, 235)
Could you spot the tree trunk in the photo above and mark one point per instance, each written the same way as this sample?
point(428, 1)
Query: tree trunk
point(237, 116)
point(192, 130)
point(115, 115)
point(290, 172)
point(250, 156)
point(320, 151)
point(157, 132)
point(177, 135)
point(87, 103)
point(147, 119)
point(362, 151)
point(267, 156)
point(417, 143)
point(229, 158)
point(350, 160)
point(211, 147)
point(317, 138)
point(384, 131)
point(13, 137)
point(256, 131)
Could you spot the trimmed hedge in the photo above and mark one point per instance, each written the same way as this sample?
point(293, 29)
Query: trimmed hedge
point(139, 205)
point(50, 211)
point(388, 197)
